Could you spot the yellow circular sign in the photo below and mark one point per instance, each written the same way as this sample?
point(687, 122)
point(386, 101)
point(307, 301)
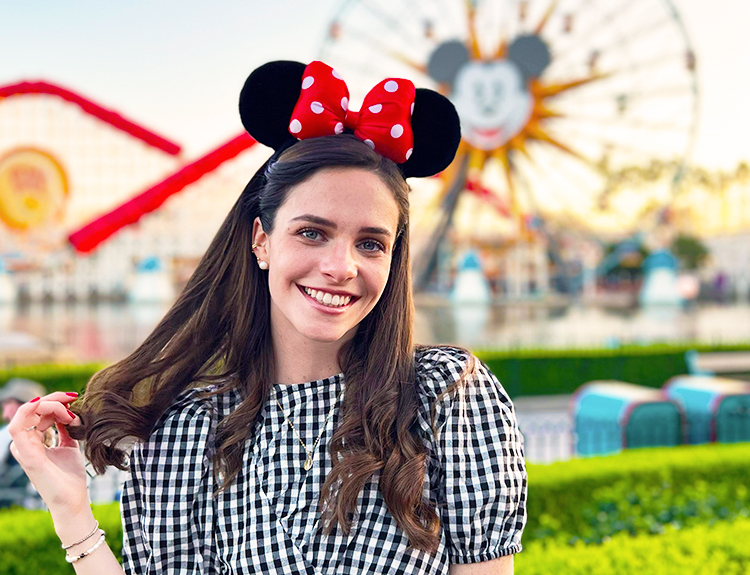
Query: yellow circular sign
point(33, 189)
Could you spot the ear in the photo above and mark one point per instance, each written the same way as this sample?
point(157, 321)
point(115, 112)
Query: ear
point(530, 54)
point(437, 134)
point(446, 60)
point(267, 101)
point(260, 239)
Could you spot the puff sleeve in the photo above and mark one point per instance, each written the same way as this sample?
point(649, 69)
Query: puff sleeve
point(481, 480)
point(166, 501)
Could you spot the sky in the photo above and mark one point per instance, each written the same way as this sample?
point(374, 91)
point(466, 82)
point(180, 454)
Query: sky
point(176, 67)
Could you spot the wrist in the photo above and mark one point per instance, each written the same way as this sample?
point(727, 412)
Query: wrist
point(70, 527)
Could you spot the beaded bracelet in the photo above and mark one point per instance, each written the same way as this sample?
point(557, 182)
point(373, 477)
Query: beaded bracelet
point(89, 536)
point(79, 556)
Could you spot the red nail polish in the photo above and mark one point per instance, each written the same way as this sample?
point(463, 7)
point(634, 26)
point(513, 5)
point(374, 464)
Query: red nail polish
point(33, 400)
point(71, 393)
point(70, 413)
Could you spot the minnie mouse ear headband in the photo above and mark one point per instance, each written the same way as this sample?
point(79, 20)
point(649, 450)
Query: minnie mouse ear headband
point(283, 102)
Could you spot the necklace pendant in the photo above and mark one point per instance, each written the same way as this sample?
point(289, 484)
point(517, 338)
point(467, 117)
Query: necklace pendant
point(308, 463)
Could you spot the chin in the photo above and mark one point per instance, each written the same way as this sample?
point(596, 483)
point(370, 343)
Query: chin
point(326, 335)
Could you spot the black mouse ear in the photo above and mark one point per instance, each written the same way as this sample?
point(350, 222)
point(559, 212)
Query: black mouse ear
point(437, 133)
point(530, 54)
point(446, 60)
point(267, 101)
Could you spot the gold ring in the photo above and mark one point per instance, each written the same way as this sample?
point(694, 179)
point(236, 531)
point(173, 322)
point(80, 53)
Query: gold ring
point(32, 428)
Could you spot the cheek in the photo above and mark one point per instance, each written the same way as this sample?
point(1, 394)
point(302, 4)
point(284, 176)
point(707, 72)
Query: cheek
point(379, 279)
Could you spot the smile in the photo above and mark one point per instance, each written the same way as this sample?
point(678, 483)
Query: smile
point(327, 299)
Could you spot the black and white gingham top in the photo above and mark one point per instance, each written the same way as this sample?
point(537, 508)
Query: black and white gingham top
point(268, 520)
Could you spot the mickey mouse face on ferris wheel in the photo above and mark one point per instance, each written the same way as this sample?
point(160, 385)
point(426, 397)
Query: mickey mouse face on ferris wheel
point(492, 97)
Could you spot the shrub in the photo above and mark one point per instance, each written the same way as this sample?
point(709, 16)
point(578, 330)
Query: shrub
point(547, 372)
point(54, 377)
point(29, 544)
point(720, 549)
point(637, 491)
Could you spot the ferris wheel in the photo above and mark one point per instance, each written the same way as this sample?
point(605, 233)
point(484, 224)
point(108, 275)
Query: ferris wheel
point(579, 112)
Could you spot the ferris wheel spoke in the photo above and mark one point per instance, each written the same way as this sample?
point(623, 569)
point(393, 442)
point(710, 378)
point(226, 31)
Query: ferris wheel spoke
point(561, 52)
point(614, 47)
point(364, 70)
point(392, 25)
point(630, 38)
point(629, 124)
point(376, 45)
point(646, 65)
point(544, 170)
point(622, 100)
point(609, 147)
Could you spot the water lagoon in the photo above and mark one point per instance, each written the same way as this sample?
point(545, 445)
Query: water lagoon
point(109, 331)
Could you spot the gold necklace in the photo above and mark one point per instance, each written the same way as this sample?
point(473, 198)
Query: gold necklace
point(308, 461)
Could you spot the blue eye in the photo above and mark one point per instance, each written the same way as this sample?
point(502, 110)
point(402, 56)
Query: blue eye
point(372, 246)
point(310, 234)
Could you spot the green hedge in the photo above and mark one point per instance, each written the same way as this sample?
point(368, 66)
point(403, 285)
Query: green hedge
point(548, 372)
point(522, 371)
point(639, 490)
point(721, 549)
point(29, 544)
point(55, 377)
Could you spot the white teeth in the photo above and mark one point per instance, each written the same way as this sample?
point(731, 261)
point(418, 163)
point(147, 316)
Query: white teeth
point(328, 299)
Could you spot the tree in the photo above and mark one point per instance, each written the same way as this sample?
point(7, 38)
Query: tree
point(690, 251)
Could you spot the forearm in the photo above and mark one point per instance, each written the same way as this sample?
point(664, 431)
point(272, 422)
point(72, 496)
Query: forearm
point(74, 528)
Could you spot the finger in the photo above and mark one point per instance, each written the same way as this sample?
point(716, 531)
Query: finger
point(61, 396)
point(41, 414)
point(66, 398)
point(26, 446)
point(65, 439)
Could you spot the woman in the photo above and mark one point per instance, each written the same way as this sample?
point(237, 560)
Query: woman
point(284, 421)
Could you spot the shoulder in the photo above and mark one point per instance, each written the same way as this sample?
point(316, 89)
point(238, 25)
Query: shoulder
point(437, 368)
point(450, 378)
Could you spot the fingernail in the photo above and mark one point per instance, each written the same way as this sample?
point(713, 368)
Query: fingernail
point(71, 393)
point(71, 414)
point(33, 400)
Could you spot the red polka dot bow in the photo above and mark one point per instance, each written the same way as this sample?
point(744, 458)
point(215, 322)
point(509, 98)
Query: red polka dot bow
point(383, 123)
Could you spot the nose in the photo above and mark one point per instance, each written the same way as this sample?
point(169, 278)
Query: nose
point(339, 263)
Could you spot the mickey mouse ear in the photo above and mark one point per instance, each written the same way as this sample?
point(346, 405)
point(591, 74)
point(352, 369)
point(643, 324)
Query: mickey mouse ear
point(271, 92)
point(437, 133)
point(267, 101)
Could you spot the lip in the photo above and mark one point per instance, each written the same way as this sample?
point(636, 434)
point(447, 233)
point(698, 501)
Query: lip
point(325, 309)
point(487, 132)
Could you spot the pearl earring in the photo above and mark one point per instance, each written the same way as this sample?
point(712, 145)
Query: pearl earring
point(261, 264)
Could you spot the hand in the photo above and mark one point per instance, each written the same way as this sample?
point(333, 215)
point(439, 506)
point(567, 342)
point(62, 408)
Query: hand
point(57, 472)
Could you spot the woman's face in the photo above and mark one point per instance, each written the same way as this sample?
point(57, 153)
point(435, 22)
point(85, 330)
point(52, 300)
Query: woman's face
point(329, 254)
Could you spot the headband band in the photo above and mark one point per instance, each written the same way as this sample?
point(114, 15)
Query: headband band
point(418, 129)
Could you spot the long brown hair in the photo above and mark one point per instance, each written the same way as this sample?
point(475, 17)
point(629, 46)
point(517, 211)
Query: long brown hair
point(218, 331)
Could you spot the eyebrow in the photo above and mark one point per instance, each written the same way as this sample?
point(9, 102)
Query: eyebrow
point(329, 224)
